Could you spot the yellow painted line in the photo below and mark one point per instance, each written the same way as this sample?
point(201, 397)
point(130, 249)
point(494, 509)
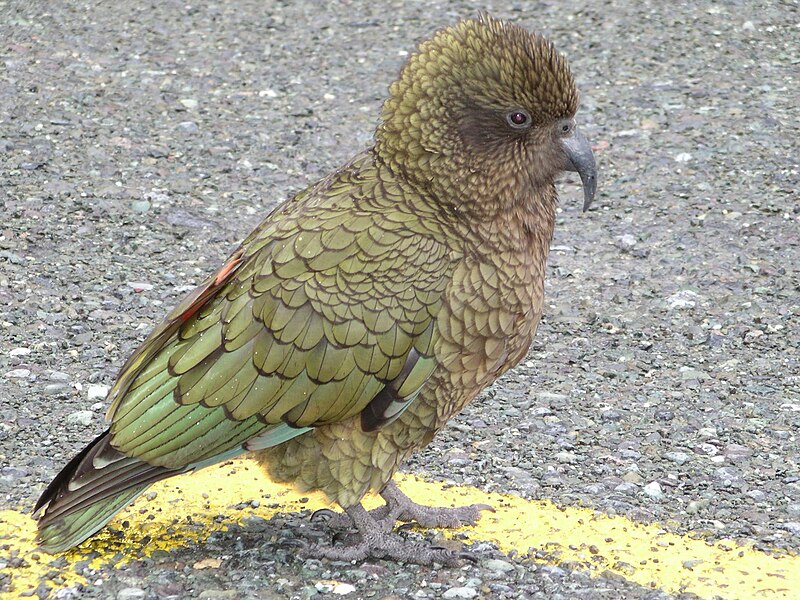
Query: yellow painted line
point(184, 508)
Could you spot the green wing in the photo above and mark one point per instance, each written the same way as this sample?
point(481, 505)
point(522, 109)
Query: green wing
point(326, 311)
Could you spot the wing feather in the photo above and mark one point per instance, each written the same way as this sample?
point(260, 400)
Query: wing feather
point(324, 312)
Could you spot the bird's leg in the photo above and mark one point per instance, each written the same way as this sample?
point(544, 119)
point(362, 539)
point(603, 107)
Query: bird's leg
point(403, 508)
point(400, 507)
point(341, 520)
point(378, 541)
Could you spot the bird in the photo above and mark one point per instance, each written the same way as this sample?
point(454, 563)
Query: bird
point(363, 312)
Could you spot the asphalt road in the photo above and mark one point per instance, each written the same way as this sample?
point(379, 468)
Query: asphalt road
point(139, 144)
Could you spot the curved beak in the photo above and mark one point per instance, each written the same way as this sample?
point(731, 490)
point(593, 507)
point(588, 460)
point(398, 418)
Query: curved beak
point(581, 160)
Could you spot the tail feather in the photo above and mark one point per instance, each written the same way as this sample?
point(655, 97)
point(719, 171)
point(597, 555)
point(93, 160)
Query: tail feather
point(64, 532)
point(101, 489)
point(89, 491)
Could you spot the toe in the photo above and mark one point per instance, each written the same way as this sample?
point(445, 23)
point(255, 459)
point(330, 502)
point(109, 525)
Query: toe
point(323, 515)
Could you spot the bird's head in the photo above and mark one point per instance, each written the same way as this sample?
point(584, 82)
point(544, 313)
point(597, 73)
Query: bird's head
point(487, 109)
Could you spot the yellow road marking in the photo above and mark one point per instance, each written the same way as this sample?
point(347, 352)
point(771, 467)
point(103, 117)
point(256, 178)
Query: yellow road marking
point(184, 510)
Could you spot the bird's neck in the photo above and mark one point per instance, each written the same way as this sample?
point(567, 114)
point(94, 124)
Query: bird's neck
point(520, 223)
point(505, 216)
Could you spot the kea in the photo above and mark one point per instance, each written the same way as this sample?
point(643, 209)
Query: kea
point(364, 312)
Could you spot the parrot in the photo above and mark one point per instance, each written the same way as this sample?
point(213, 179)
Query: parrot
point(365, 311)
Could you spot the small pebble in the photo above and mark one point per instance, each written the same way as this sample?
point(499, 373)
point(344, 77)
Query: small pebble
point(680, 458)
point(683, 299)
point(727, 476)
point(626, 241)
point(140, 206)
point(255, 523)
point(627, 488)
point(207, 563)
point(97, 392)
point(706, 449)
point(553, 571)
point(610, 415)
point(664, 415)
point(653, 490)
point(18, 373)
point(633, 477)
point(338, 588)
point(460, 592)
point(495, 564)
point(189, 127)
point(54, 389)
point(80, 417)
point(13, 472)
point(131, 593)
point(566, 457)
point(218, 595)
point(690, 564)
point(707, 432)
point(737, 452)
point(688, 373)
point(792, 527)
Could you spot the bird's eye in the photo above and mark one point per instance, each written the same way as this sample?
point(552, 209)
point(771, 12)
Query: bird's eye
point(519, 119)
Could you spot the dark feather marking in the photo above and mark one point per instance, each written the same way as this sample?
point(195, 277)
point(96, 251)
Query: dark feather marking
point(63, 478)
point(99, 484)
point(136, 474)
point(374, 414)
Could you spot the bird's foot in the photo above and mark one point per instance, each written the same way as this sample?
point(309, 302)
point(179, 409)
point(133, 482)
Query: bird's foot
point(378, 541)
point(402, 508)
point(341, 520)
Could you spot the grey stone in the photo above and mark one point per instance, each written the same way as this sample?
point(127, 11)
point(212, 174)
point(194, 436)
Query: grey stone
point(80, 417)
point(792, 527)
point(188, 127)
point(495, 564)
point(680, 458)
point(460, 592)
point(18, 374)
point(218, 595)
point(131, 593)
point(55, 389)
point(140, 206)
point(653, 490)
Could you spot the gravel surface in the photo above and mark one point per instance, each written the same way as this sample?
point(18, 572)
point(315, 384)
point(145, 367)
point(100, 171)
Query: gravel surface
point(139, 144)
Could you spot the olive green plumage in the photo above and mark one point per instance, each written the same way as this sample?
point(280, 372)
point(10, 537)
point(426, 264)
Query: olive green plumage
point(364, 312)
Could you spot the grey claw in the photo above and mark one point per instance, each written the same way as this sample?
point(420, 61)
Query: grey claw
point(292, 543)
point(323, 515)
point(452, 557)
